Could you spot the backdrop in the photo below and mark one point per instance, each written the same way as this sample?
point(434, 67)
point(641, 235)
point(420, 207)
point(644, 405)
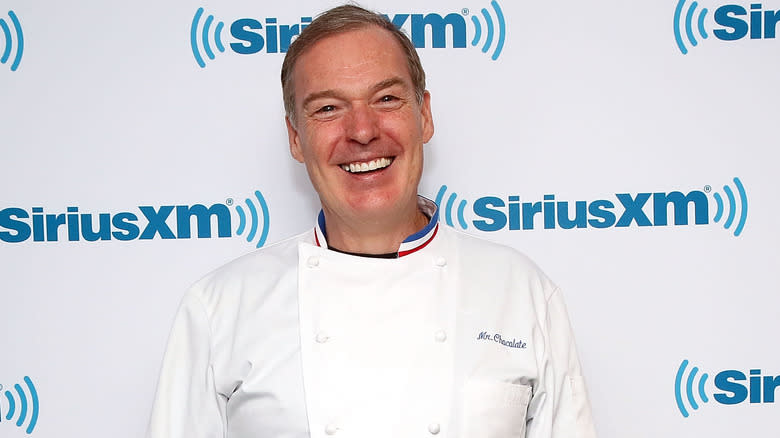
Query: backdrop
point(628, 147)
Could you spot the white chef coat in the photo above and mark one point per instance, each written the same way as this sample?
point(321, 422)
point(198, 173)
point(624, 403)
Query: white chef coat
point(457, 338)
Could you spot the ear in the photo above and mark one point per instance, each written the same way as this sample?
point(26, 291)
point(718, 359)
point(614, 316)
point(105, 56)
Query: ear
point(295, 141)
point(427, 117)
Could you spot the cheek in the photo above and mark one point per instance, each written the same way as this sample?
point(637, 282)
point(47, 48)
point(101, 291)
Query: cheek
point(320, 145)
point(406, 125)
point(401, 134)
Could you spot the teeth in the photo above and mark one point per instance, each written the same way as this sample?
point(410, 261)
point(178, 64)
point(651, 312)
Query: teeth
point(379, 163)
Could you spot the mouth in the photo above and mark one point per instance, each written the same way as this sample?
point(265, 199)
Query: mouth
point(367, 166)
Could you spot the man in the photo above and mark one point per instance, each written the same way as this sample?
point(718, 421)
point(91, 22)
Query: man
point(380, 322)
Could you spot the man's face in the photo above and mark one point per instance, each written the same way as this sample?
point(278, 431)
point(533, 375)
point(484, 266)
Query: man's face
point(359, 127)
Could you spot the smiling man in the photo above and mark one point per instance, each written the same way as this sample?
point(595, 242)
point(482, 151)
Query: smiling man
point(379, 322)
point(358, 121)
point(359, 127)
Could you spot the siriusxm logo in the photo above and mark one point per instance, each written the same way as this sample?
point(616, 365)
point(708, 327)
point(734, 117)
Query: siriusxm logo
point(20, 405)
point(647, 209)
point(145, 223)
point(10, 45)
point(250, 36)
point(731, 22)
point(759, 389)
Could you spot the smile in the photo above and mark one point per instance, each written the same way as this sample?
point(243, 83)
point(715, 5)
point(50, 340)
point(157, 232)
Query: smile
point(367, 166)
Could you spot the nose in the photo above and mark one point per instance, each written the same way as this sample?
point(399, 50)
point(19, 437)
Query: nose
point(362, 124)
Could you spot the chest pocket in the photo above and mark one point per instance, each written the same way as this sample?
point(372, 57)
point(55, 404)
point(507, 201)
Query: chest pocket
point(493, 409)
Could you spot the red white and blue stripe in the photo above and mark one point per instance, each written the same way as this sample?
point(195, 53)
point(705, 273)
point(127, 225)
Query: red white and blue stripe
point(411, 244)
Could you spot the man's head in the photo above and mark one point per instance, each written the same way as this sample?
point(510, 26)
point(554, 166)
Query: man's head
point(338, 20)
point(358, 118)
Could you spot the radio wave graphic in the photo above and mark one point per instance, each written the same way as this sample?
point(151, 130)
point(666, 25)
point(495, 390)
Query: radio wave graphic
point(450, 205)
point(689, 387)
point(26, 405)
point(490, 30)
point(689, 22)
point(9, 41)
point(205, 33)
point(732, 207)
point(255, 223)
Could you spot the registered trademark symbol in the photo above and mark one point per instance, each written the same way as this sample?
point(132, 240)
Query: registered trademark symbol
point(707, 188)
point(229, 201)
point(464, 11)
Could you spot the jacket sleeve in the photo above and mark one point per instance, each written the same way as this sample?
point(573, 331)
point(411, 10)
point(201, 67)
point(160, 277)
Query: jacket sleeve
point(187, 404)
point(559, 407)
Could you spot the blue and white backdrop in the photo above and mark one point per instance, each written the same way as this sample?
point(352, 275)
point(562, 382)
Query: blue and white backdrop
point(629, 148)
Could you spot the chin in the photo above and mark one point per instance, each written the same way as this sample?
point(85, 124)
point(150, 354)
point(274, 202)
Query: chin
point(373, 205)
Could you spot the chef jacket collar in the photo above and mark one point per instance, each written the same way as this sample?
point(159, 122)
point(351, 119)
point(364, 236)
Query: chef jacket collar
point(411, 244)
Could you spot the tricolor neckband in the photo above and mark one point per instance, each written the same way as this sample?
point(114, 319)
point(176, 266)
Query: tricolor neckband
point(411, 244)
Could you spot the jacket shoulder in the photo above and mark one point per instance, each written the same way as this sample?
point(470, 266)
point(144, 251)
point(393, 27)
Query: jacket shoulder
point(255, 273)
point(496, 259)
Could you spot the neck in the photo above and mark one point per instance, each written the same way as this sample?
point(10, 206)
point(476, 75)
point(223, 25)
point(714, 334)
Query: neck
point(372, 237)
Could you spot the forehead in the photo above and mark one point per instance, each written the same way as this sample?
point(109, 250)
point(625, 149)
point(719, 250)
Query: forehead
point(350, 59)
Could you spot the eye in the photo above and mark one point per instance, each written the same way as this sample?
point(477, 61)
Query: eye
point(389, 102)
point(327, 109)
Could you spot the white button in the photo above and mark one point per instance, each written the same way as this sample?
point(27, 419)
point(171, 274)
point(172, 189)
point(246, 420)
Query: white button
point(331, 429)
point(434, 428)
point(441, 262)
point(313, 262)
point(440, 336)
point(322, 337)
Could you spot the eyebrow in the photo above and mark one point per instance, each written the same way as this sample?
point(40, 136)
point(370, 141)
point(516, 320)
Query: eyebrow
point(387, 83)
